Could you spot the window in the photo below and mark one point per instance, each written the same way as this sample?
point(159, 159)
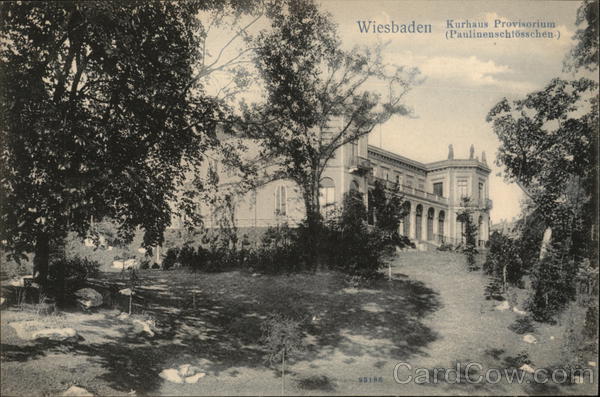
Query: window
point(281, 201)
point(398, 179)
point(385, 173)
point(327, 192)
point(462, 187)
point(438, 189)
point(481, 192)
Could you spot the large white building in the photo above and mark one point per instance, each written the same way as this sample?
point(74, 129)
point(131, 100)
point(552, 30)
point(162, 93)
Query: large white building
point(432, 192)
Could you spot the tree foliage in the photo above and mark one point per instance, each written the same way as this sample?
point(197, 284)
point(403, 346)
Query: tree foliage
point(584, 55)
point(316, 96)
point(101, 110)
point(548, 145)
point(469, 231)
point(503, 261)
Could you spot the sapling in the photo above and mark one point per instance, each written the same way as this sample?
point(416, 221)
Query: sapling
point(283, 339)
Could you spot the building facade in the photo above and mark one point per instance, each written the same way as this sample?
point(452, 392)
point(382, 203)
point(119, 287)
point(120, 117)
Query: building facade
point(432, 192)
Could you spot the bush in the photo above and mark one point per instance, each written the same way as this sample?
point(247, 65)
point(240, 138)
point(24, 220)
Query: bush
point(145, 264)
point(170, 258)
point(279, 251)
point(74, 271)
point(503, 257)
point(445, 247)
point(351, 245)
point(553, 285)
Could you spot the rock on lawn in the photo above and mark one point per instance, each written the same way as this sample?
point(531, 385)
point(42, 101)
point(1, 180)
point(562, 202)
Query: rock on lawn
point(59, 334)
point(527, 368)
point(89, 297)
point(172, 375)
point(529, 338)
point(76, 391)
point(195, 378)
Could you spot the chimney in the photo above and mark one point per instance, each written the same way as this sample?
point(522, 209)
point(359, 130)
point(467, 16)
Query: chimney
point(483, 159)
point(450, 152)
point(471, 152)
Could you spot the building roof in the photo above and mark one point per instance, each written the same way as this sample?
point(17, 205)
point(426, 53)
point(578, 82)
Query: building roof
point(427, 167)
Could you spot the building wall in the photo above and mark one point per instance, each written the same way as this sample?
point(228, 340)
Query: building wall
point(357, 165)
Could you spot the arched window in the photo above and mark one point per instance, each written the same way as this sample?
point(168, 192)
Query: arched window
point(441, 219)
point(281, 200)
point(406, 219)
point(430, 215)
point(418, 222)
point(327, 192)
point(354, 186)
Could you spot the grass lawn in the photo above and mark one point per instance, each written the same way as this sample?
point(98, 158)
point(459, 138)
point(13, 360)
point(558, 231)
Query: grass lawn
point(430, 315)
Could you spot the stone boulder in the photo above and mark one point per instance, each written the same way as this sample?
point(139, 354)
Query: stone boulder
point(529, 338)
point(126, 291)
point(76, 391)
point(186, 373)
point(35, 329)
point(88, 297)
point(58, 334)
point(172, 375)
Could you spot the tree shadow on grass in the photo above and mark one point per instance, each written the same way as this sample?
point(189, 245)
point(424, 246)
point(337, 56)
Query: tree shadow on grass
point(223, 330)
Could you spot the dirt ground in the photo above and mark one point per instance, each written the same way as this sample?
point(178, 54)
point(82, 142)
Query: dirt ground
point(431, 315)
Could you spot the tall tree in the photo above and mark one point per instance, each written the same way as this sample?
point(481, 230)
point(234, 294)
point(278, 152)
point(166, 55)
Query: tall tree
point(317, 96)
point(547, 143)
point(584, 55)
point(469, 231)
point(101, 110)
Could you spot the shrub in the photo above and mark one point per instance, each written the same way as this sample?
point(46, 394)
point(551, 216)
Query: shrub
point(503, 259)
point(351, 245)
point(187, 256)
point(445, 247)
point(279, 251)
point(553, 285)
point(145, 264)
point(522, 326)
point(155, 266)
point(73, 271)
point(170, 258)
point(283, 339)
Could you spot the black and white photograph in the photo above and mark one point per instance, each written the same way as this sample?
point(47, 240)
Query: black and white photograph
point(299, 197)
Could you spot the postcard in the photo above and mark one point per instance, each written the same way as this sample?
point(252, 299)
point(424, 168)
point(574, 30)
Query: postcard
point(299, 197)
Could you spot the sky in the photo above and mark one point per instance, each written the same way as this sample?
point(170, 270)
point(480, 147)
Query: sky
point(463, 78)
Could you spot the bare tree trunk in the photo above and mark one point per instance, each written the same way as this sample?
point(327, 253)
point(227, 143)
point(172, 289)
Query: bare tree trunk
point(41, 259)
point(283, 374)
point(313, 220)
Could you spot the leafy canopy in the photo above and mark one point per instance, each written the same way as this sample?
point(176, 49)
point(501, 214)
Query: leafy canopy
point(100, 110)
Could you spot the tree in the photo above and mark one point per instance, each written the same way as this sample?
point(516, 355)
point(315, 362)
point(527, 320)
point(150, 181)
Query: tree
point(316, 97)
point(387, 207)
point(547, 144)
point(102, 116)
point(584, 55)
point(469, 231)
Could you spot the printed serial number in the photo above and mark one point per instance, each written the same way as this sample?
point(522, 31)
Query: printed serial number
point(370, 379)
